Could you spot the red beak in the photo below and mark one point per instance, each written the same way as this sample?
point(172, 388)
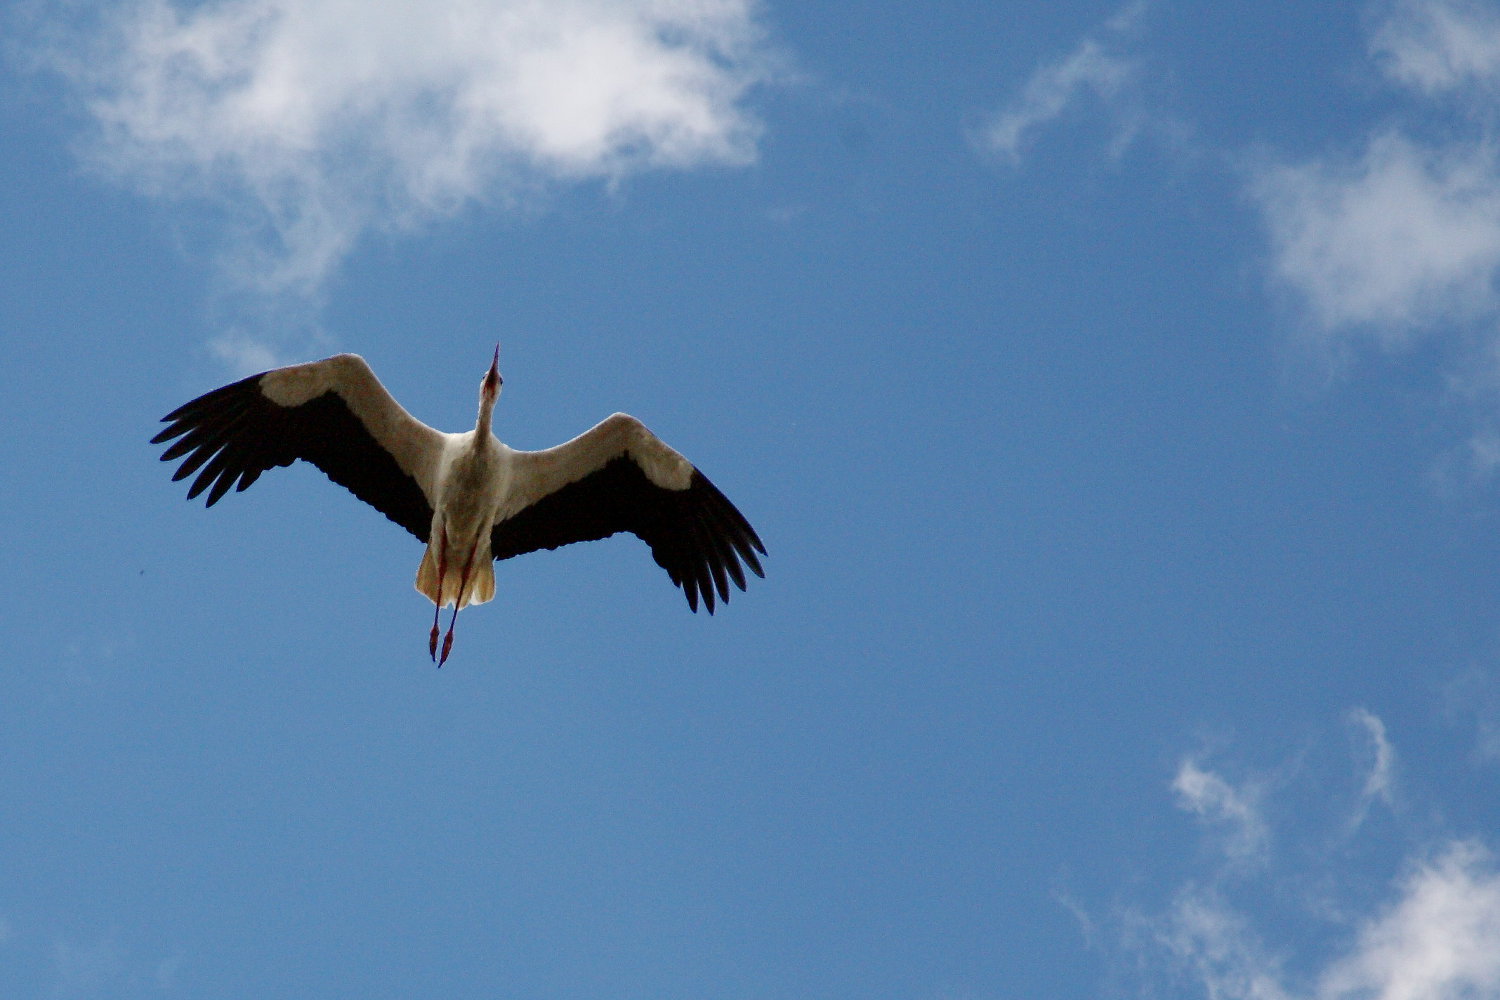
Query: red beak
point(493, 375)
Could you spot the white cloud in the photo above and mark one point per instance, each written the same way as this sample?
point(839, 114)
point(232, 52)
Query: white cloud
point(1236, 811)
point(316, 121)
point(1439, 941)
point(1399, 241)
point(1401, 237)
point(1097, 67)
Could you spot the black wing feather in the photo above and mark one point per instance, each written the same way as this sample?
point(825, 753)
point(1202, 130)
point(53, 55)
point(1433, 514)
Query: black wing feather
point(235, 433)
point(695, 534)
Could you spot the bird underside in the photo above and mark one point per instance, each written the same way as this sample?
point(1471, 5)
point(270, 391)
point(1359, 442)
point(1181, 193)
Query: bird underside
point(467, 497)
point(459, 575)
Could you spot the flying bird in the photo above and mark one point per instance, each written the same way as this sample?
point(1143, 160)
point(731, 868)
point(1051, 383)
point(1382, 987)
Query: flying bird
point(470, 498)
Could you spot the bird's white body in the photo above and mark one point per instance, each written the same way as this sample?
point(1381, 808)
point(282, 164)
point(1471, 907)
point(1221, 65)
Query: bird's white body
point(470, 497)
point(473, 483)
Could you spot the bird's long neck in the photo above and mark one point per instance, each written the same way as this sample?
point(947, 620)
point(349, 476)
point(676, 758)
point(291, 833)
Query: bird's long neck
point(486, 412)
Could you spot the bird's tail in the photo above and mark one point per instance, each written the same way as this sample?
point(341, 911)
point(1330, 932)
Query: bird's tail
point(442, 588)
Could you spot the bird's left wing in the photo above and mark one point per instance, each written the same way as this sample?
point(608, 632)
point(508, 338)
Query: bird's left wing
point(333, 413)
point(621, 477)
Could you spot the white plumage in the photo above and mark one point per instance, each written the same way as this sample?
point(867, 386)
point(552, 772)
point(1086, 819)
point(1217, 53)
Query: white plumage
point(468, 496)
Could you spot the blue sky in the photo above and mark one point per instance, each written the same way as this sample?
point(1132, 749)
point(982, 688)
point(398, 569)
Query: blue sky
point(1117, 390)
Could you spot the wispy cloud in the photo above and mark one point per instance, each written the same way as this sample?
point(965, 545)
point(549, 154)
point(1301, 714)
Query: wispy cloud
point(1219, 948)
point(87, 970)
point(1306, 925)
point(1438, 46)
point(313, 122)
point(1100, 67)
point(1472, 701)
point(245, 354)
point(1234, 812)
point(1439, 939)
point(106, 968)
point(1380, 774)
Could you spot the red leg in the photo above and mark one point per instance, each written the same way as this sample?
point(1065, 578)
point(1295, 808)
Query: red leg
point(463, 583)
point(437, 605)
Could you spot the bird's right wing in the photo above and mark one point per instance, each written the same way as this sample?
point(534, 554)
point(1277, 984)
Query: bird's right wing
point(333, 413)
point(619, 476)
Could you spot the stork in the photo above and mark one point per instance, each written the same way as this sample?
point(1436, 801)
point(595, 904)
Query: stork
point(467, 496)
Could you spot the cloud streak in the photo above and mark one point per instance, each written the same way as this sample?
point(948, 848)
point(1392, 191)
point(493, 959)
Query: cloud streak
point(1098, 67)
point(316, 121)
point(1234, 811)
point(1380, 779)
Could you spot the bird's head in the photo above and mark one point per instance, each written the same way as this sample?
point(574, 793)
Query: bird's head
point(489, 389)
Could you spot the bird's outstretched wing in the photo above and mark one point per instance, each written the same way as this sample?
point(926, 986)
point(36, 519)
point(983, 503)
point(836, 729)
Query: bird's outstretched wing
point(621, 477)
point(333, 413)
